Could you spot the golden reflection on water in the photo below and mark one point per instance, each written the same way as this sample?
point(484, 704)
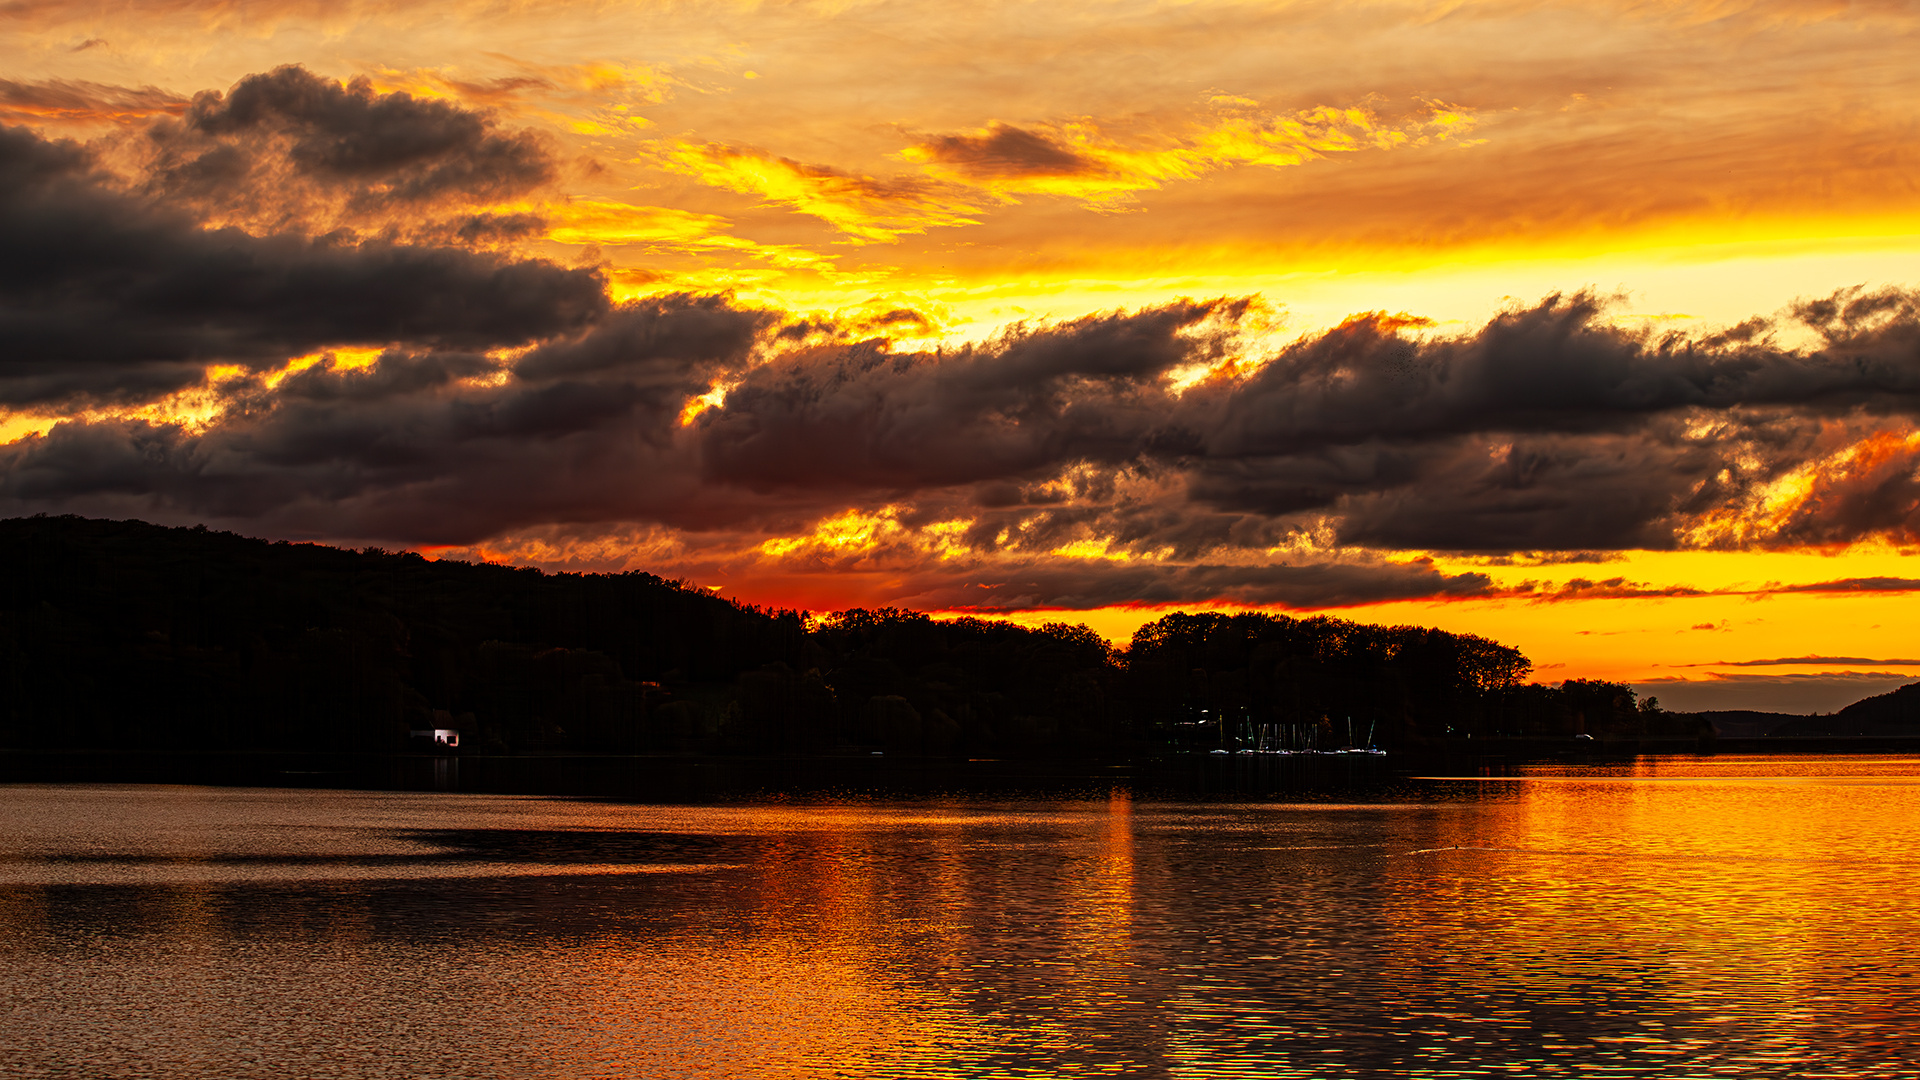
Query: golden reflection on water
point(1099, 909)
point(1718, 917)
point(1672, 894)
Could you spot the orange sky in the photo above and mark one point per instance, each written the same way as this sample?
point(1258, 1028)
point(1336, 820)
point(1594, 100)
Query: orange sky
point(974, 192)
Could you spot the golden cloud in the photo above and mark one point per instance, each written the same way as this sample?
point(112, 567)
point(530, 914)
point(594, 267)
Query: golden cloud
point(962, 176)
point(611, 224)
point(863, 207)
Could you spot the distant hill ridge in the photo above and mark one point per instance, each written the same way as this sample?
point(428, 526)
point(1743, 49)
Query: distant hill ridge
point(1746, 723)
point(1893, 714)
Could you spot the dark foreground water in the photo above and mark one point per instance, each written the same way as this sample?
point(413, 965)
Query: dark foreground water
point(1674, 918)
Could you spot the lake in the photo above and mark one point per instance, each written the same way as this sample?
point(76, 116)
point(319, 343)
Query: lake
point(1668, 917)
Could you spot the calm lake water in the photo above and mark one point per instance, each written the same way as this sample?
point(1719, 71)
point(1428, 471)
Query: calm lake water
point(1672, 918)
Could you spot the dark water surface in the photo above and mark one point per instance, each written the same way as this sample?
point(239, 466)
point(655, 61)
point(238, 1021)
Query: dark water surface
point(1671, 918)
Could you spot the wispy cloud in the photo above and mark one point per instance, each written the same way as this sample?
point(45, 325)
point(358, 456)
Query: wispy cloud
point(866, 208)
point(962, 176)
point(1081, 160)
point(67, 101)
point(1811, 661)
point(1852, 585)
point(661, 228)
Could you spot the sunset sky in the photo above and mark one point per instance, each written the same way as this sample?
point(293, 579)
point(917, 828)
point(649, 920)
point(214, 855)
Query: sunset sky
point(1590, 327)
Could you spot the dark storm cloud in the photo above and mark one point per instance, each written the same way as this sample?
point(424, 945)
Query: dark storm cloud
point(676, 333)
point(385, 147)
point(420, 470)
point(426, 447)
point(78, 460)
point(1050, 436)
point(394, 374)
point(862, 416)
point(1005, 150)
point(585, 427)
point(1549, 429)
point(480, 230)
point(105, 296)
point(1537, 493)
point(1554, 368)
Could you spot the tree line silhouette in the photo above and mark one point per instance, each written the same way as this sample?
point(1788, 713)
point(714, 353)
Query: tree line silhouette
point(125, 635)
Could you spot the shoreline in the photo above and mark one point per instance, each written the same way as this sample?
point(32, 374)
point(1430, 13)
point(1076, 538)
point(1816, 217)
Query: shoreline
point(699, 778)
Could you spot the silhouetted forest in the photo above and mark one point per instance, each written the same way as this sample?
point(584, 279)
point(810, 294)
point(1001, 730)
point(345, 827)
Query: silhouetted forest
point(133, 636)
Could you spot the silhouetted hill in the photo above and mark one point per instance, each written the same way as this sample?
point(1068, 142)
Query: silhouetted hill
point(1890, 714)
point(124, 635)
point(128, 634)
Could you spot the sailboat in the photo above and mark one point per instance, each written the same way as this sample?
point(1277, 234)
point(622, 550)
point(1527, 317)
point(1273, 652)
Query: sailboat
point(1370, 750)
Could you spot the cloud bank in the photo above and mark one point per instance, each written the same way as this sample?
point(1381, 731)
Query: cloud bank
point(235, 331)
